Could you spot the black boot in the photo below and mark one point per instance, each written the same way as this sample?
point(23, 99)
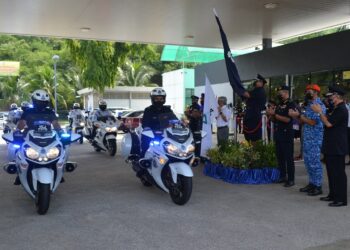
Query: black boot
point(281, 180)
point(17, 181)
point(289, 184)
point(315, 191)
point(307, 188)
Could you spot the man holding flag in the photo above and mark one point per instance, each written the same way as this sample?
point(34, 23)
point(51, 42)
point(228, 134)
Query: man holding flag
point(256, 97)
point(256, 101)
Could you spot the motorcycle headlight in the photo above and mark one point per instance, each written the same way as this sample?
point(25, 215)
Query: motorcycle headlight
point(82, 124)
point(53, 153)
point(190, 149)
point(32, 153)
point(171, 148)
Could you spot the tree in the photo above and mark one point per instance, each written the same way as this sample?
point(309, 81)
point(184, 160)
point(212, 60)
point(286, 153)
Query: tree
point(98, 61)
point(135, 74)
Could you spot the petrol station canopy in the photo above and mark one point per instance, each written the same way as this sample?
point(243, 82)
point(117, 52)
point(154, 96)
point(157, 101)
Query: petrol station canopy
point(180, 22)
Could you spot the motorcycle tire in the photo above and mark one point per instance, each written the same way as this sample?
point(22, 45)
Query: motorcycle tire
point(42, 199)
point(145, 182)
point(112, 147)
point(182, 193)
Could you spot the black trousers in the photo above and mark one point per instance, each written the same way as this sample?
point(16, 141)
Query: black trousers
point(197, 137)
point(337, 180)
point(285, 158)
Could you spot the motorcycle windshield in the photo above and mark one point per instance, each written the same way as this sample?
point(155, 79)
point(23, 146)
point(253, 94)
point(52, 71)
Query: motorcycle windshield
point(166, 120)
point(178, 132)
point(105, 119)
point(42, 139)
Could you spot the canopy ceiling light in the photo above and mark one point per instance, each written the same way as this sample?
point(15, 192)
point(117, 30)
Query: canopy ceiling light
point(270, 6)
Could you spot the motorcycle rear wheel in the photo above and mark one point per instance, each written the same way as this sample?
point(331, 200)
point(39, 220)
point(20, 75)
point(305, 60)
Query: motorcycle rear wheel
point(42, 199)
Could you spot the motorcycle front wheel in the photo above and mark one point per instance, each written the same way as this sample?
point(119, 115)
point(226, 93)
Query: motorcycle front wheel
point(112, 147)
point(42, 199)
point(181, 191)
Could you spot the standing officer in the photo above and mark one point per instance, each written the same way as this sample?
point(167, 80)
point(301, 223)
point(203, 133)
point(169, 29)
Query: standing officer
point(335, 146)
point(194, 115)
point(256, 100)
point(312, 139)
point(284, 136)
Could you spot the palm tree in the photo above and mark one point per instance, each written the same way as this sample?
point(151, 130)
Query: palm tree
point(14, 89)
point(43, 78)
point(135, 74)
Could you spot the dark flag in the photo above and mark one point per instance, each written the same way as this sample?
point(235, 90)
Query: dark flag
point(232, 71)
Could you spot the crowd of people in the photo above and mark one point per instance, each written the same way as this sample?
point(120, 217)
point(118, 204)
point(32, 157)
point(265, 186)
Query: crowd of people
point(324, 127)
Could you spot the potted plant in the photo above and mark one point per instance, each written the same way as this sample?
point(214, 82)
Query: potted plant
point(243, 163)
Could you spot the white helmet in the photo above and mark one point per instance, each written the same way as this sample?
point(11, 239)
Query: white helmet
point(25, 105)
point(102, 104)
point(155, 93)
point(40, 99)
point(158, 92)
point(76, 106)
point(13, 106)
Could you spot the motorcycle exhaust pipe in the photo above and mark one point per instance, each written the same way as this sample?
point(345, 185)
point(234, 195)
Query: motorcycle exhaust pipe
point(10, 168)
point(71, 166)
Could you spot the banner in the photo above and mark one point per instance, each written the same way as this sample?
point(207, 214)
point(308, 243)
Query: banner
point(210, 111)
point(8, 68)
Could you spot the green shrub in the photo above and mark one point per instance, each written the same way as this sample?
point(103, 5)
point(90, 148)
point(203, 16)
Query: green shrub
point(244, 155)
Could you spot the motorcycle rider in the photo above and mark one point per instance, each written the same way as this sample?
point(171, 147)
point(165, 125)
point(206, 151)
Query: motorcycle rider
point(24, 107)
point(97, 115)
point(40, 112)
point(74, 114)
point(151, 116)
point(12, 115)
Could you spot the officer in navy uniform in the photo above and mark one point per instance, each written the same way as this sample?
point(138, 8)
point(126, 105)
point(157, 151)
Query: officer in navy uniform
point(156, 116)
point(335, 146)
point(284, 136)
point(256, 100)
point(194, 115)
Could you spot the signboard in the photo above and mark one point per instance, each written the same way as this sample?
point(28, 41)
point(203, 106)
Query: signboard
point(346, 75)
point(8, 68)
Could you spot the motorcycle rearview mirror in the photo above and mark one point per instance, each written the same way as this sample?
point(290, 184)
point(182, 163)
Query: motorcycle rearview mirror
point(8, 137)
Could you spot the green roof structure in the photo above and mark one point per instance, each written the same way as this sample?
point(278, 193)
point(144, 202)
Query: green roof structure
point(174, 53)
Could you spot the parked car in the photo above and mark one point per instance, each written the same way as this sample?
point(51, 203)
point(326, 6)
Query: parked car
point(131, 120)
point(117, 111)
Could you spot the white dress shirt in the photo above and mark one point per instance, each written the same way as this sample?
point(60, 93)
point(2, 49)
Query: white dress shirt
point(227, 113)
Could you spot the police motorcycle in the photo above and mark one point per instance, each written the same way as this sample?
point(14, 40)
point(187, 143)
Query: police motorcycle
point(167, 162)
point(78, 127)
point(106, 135)
point(41, 157)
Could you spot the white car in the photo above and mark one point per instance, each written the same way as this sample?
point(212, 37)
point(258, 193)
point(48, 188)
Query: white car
point(117, 111)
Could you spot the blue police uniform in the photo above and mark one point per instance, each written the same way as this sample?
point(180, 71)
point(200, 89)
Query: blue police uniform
point(312, 142)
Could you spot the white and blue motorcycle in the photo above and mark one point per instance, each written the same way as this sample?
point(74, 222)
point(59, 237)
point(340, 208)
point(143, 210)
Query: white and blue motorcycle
point(167, 162)
point(40, 161)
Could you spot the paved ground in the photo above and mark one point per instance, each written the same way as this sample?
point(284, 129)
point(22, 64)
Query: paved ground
point(103, 206)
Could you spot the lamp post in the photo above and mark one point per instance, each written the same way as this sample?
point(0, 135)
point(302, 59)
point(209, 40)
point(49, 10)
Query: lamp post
point(55, 59)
